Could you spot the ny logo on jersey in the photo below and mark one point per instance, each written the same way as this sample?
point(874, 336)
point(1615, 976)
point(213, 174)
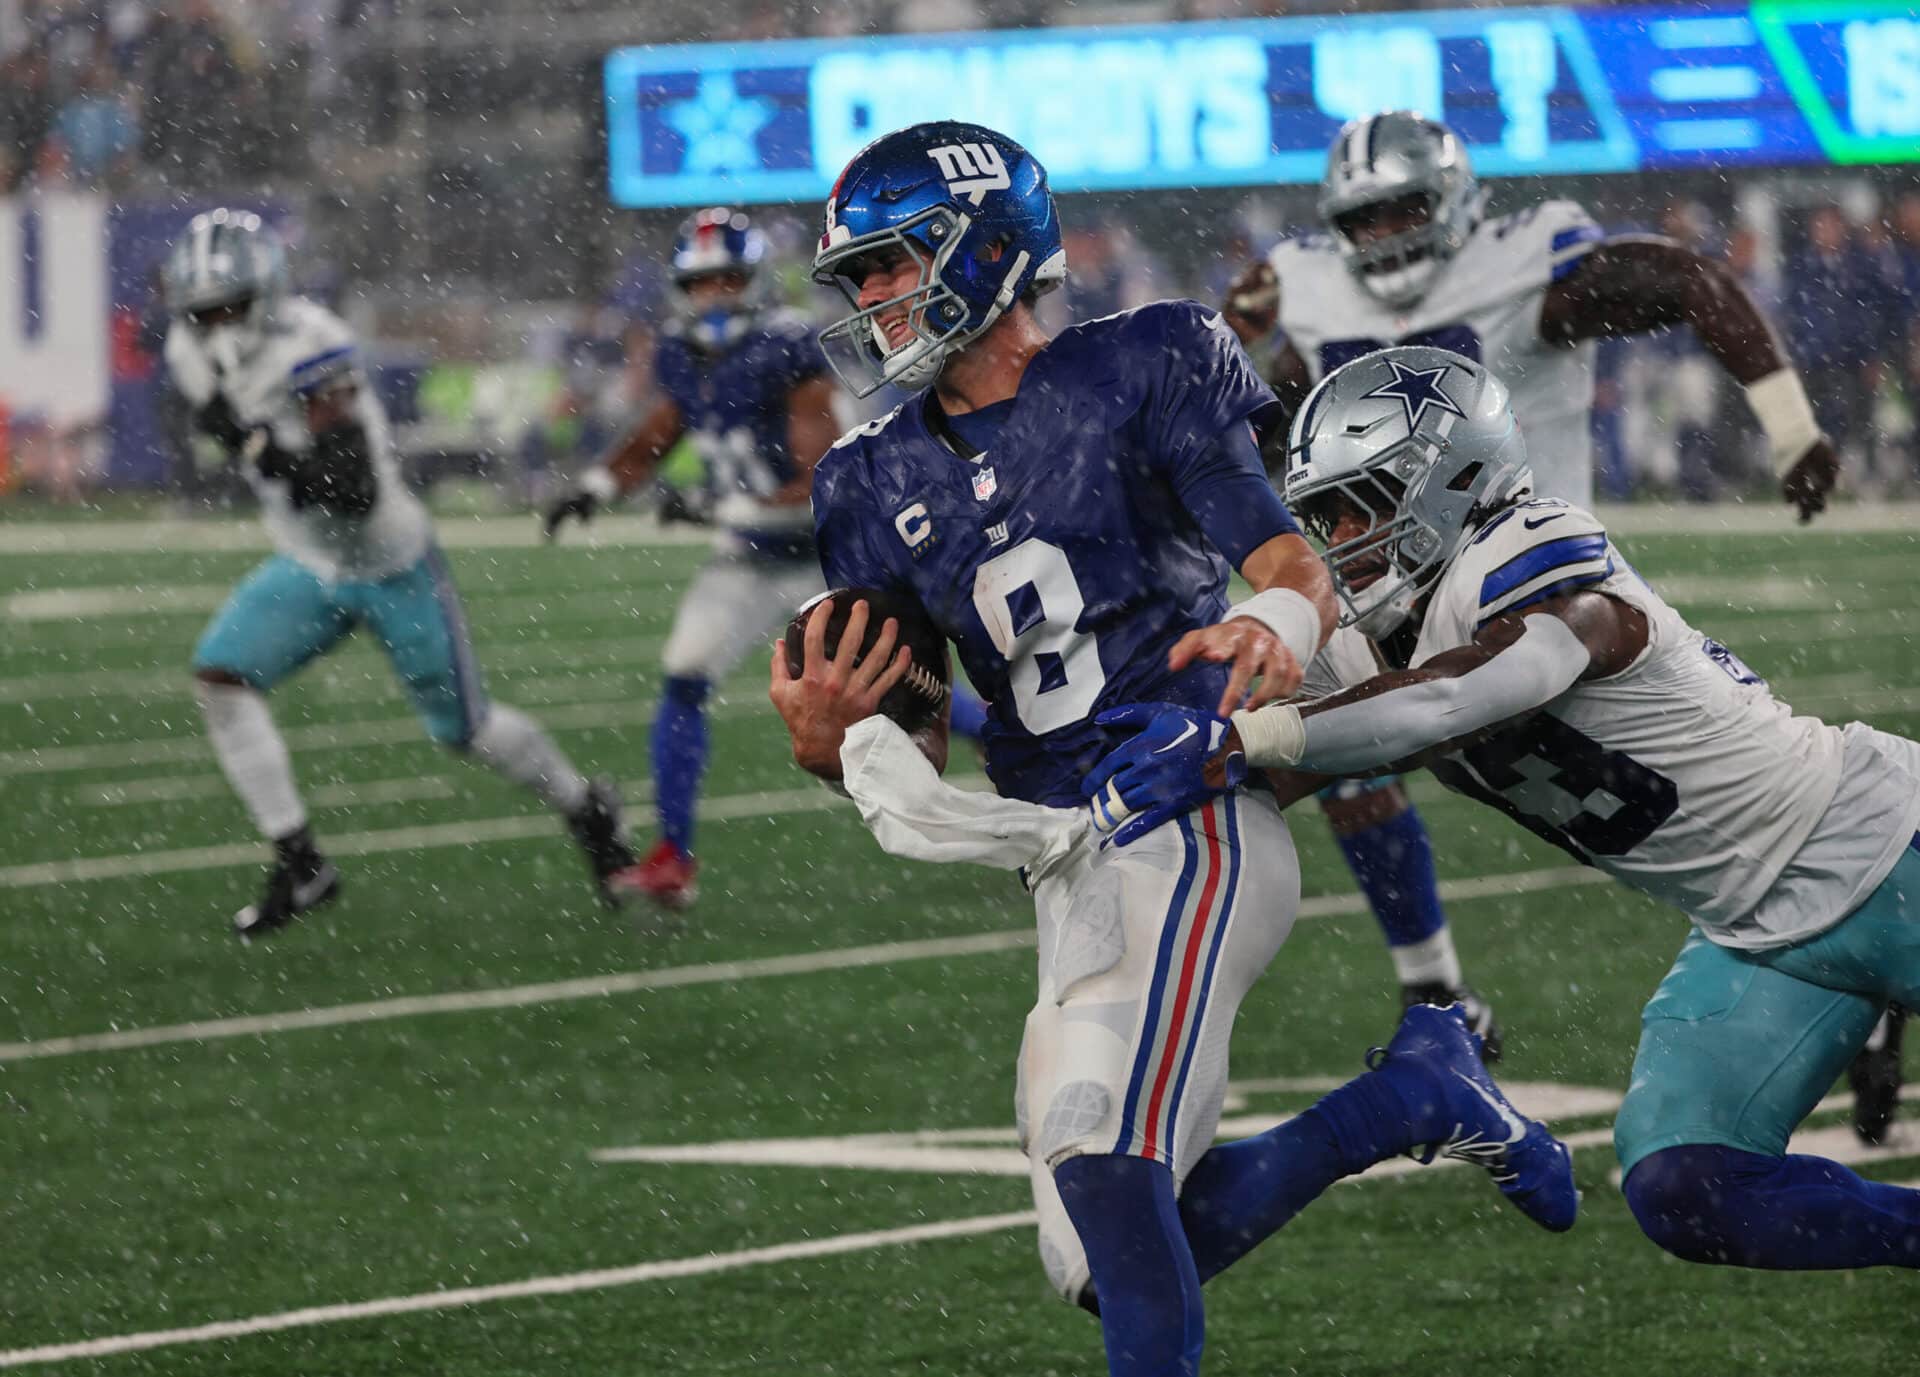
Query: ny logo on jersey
point(971, 169)
point(996, 534)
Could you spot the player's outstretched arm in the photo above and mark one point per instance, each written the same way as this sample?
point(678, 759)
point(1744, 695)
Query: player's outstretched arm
point(1390, 724)
point(831, 693)
point(1632, 285)
point(628, 465)
point(1398, 721)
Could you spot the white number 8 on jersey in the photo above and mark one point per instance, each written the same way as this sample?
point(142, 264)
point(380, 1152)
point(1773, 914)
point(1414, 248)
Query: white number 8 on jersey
point(1029, 601)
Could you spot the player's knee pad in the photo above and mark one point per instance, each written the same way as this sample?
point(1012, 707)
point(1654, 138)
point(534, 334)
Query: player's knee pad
point(1696, 1200)
point(1146, 953)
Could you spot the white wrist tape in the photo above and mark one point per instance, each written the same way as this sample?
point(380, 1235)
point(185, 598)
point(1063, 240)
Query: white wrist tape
point(599, 483)
point(1288, 614)
point(1780, 404)
point(1273, 736)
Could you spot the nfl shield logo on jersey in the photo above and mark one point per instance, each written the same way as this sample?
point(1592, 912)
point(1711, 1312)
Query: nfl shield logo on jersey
point(984, 485)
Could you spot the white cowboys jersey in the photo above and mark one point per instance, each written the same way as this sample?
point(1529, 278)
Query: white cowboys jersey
point(1682, 776)
point(1484, 304)
point(263, 374)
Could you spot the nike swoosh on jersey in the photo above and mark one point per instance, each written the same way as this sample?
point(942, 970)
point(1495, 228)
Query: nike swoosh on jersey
point(1536, 525)
point(1190, 730)
point(1516, 1126)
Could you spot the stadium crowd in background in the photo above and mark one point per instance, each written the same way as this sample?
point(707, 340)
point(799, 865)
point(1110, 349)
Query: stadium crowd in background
point(514, 327)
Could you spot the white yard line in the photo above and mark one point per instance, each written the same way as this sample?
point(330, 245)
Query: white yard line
point(358, 677)
point(597, 987)
point(30, 538)
point(572, 1283)
point(1757, 518)
point(244, 534)
point(190, 747)
point(564, 1285)
point(521, 996)
point(473, 832)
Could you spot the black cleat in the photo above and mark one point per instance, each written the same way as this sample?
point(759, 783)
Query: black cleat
point(297, 884)
point(1875, 1078)
point(1480, 1020)
point(601, 830)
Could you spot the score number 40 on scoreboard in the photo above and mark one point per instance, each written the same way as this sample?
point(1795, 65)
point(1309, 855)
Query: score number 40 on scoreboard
point(1532, 90)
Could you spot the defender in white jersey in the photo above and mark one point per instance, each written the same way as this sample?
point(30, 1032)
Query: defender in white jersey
point(1504, 641)
point(278, 381)
point(1408, 256)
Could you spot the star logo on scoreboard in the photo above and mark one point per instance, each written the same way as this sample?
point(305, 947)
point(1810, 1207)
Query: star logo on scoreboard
point(719, 126)
point(1416, 389)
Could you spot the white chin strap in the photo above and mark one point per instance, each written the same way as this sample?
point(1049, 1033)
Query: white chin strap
point(913, 365)
point(1380, 609)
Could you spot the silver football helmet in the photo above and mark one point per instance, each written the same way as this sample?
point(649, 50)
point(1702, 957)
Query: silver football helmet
point(1392, 157)
point(226, 258)
point(1421, 444)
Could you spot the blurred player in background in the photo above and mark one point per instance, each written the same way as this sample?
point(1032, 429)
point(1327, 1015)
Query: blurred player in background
point(1504, 642)
point(750, 385)
point(1067, 512)
point(1408, 256)
point(277, 380)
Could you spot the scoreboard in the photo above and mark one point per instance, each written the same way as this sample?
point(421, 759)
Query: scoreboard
point(1236, 103)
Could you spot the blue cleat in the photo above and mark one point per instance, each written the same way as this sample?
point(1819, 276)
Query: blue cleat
point(1532, 1168)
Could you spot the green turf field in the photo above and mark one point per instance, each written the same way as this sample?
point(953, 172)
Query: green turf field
point(309, 1194)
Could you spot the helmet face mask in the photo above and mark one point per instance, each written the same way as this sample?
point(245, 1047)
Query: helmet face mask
point(1393, 461)
point(1401, 200)
point(972, 209)
point(857, 346)
point(225, 275)
point(711, 245)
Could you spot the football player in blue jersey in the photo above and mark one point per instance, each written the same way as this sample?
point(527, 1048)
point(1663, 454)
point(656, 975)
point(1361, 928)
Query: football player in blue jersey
point(1409, 256)
point(749, 384)
point(1067, 512)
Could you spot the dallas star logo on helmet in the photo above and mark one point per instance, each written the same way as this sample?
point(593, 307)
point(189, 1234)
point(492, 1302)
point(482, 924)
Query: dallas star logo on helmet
point(1416, 389)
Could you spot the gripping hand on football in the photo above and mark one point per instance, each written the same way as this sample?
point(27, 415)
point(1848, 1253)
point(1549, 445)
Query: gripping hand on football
point(1178, 758)
point(594, 490)
point(831, 693)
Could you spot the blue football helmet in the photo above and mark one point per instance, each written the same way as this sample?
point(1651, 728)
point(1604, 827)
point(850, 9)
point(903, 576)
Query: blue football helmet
point(709, 243)
point(973, 208)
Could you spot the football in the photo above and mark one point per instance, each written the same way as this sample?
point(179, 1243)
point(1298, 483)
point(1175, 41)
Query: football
point(919, 698)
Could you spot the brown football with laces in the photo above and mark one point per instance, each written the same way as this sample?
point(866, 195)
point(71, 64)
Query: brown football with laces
point(921, 696)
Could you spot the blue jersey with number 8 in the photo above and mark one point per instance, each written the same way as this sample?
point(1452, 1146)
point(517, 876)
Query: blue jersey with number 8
point(1065, 560)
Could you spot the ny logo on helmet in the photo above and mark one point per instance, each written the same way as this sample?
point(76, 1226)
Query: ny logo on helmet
point(971, 169)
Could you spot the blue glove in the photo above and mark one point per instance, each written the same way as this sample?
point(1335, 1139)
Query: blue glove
point(1161, 772)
